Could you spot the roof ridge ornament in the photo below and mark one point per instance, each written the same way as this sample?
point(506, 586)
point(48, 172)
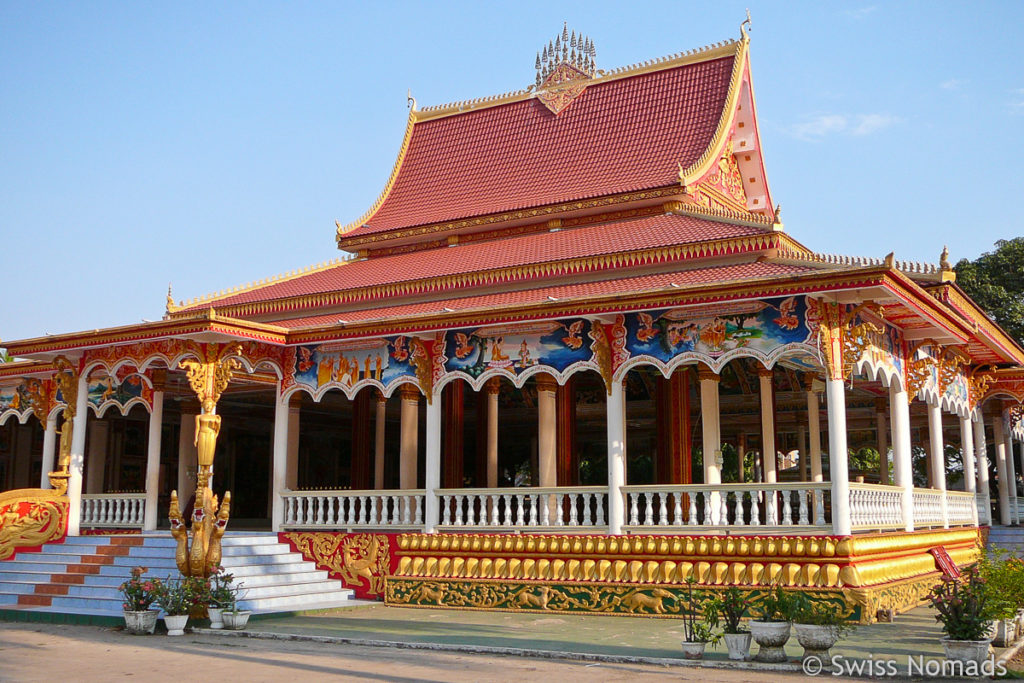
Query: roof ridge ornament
point(745, 27)
point(564, 69)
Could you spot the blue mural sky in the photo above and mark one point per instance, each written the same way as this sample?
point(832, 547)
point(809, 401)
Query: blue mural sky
point(210, 145)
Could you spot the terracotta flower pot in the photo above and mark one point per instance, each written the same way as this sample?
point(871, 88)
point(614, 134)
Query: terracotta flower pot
point(140, 622)
point(771, 636)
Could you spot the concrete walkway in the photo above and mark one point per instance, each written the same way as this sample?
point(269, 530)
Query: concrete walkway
point(913, 634)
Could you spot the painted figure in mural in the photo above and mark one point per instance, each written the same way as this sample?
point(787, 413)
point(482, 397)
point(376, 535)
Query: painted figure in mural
point(679, 337)
point(496, 353)
point(646, 331)
point(714, 334)
point(463, 346)
point(401, 352)
point(573, 339)
point(324, 371)
point(787, 319)
point(379, 369)
point(524, 355)
point(305, 359)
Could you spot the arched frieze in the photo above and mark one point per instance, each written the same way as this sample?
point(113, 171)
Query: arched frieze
point(123, 389)
point(518, 380)
point(123, 408)
point(383, 362)
point(15, 402)
point(881, 372)
point(802, 354)
point(349, 391)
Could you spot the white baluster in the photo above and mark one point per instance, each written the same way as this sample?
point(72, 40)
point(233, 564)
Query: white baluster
point(446, 506)
point(495, 516)
point(803, 507)
point(572, 510)
point(419, 510)
point(362, 510)
point(739, 515)
point(545, 511)
point(787, 509)
point(662, 510)
point(693, 509)
point(819, 508)
point(755, 509)
point(648, 508)
point(373, 510)
point(599, 513)
point(633, 512)
point(707, 508)
point(677, 509)
point(723, 519)
point(586, 509)
point(533, 510)
point(406, 510)
point(470, 510)
point(319, 505)
point(458, 510)
point(769, 514)
point(519, 510)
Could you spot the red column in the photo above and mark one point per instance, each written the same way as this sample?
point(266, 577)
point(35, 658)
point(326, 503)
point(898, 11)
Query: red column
point(361, 470)
point(673, 464)
point(452, 435)
point(565, 406)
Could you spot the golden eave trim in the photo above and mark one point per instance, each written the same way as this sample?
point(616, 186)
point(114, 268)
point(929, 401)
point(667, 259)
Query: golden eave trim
point(963, 304)
point(699, 168)
point(205, 322)
point(364, 219)
point(494, 276)
point(23, 368)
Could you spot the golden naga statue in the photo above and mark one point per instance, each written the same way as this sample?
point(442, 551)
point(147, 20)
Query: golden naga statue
point(208, 522)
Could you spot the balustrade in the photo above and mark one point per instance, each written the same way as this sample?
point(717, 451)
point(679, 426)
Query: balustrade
point(524, 507)
point(353, 509)
point(927, 508)
point(961, 508)
point(876, 506)
point(113, 510)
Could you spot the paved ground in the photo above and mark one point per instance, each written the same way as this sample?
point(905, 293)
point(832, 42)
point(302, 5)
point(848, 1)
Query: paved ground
point(44, 652)
point(31, 652)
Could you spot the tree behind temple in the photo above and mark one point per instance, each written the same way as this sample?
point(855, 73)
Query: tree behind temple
point(995, 280)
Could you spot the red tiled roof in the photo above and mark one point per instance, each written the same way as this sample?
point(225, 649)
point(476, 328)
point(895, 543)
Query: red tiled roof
point(638, 283)
point(618, 136)
point(607, 238)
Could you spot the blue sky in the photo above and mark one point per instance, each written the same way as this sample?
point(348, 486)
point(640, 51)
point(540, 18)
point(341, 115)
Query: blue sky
point(212, 144)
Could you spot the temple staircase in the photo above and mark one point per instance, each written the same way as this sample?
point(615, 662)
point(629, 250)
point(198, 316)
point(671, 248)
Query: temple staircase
point(1010, 538)
point(81, 575)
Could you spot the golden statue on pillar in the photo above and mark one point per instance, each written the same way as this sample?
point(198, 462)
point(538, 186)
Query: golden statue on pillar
point(208, 376)
point(66, 379)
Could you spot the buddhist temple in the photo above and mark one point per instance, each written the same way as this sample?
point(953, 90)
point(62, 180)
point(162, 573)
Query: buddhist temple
point(569, 359)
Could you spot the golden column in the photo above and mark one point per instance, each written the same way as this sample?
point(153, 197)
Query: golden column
point(208, 375)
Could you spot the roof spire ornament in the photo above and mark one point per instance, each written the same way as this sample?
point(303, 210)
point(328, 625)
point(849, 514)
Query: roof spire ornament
point(170, 300)
point(564, 69)
point(745, 27)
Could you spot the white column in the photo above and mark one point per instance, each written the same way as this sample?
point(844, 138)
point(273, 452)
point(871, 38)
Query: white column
point(433, 464)
point(409, 445)
point(77, 458)
point(156, 421)
point(839, 468)
point(547, 472)
point(1001, 469)
point(937, 461)
point(492, 433)
point(801, 447)
point(967, 454)
point(379, 426)
point(711, 438)
point(903, 472)
point(1011, 468)
point(49, 451)
point(981, 456)
point(767, 426)
point(616, 422)
point(187, 458)
point(881, 430)
point(279, 460)
point(291, 472)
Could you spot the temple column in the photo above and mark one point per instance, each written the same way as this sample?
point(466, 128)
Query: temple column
point(967, 454)
point(493, 388)
point(838, 456)
point(937, 461)
point(156, 420)
point(97, 456)
point(77, 458)
point(409, 446)
point(279, 467)
point(981, 456)
point(49, 451)
point(547, 442)
point(452, 437)
point(903, 471)
point(881, 432)
point(616, 424)
point(1001, 469)
point(187, 456)
point(379, 426)
point(672, 415)
point(291, 474)
point(1011, 468)
point(711, 437)
point(432, 465)
point(568, 467)
point(767, 391)
point(361, 474)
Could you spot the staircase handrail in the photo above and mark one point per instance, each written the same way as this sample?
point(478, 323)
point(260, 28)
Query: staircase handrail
point(31, 517)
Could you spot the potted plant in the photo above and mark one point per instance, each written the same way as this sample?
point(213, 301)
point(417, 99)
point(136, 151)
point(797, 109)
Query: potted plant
point(139, 594)
point(965, 611)
point(178, 598)
point(772, 628)
point(221, 595)
point(235, 618)
point(818, 625)
point(730, 606)
point(1004, 588)
point(700, 622)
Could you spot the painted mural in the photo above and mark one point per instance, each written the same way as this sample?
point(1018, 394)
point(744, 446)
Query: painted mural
point(121, 389)
point(13, 398)
point(514, 349)
point(718, 328)
point(886, 350)
point(346, 363)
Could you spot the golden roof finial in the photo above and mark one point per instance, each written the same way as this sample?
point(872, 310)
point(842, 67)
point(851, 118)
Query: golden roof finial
point(410, 101)
point(948, 274)
point(170, 300)
point(745, 26)
point(890, 259)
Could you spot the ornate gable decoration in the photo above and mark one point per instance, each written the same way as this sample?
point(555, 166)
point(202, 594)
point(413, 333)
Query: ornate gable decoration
point(564, 69)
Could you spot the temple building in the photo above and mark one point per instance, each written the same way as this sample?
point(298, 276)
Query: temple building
point(570, 345)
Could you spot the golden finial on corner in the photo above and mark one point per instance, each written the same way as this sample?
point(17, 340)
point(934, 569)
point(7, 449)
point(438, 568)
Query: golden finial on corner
point(745, 27)
point(890, 259)
point(948, 274)
point(170, 300)
point(410, 101)
point(778, 213)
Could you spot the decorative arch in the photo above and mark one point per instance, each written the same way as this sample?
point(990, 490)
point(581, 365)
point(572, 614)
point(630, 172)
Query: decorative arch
point(877, 371)
point(717, 363)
